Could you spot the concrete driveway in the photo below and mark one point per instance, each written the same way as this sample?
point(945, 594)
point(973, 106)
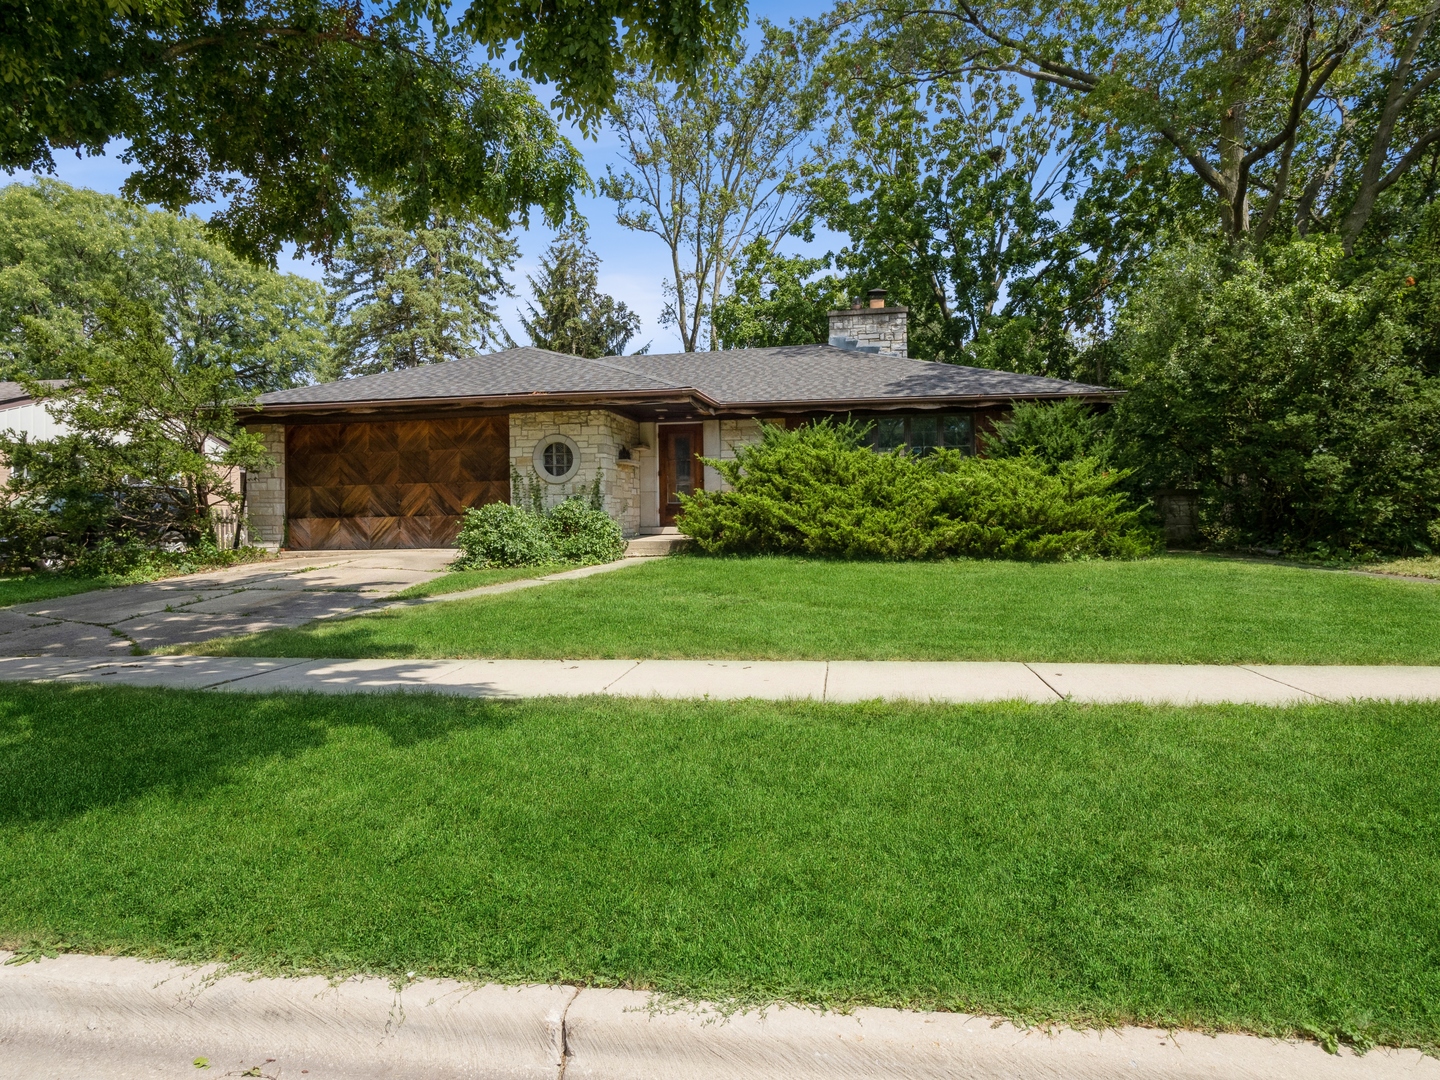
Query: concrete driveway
point(288, 590)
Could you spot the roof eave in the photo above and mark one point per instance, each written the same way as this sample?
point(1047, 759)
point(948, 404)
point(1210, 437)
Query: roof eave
point(687, 396)
point(936, 400)
point(532, 399)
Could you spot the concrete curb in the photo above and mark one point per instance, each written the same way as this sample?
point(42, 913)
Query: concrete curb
point(123, 1019)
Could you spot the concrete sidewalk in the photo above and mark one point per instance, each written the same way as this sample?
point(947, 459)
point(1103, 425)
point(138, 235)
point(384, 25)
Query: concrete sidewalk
point(109, 1018)
point(818, 680)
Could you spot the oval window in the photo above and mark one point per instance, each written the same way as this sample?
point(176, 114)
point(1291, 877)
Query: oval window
point(559, 458)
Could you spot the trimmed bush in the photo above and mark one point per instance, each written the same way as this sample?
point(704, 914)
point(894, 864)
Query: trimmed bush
point(583, 534)
point(816, 491)
point(499, 534)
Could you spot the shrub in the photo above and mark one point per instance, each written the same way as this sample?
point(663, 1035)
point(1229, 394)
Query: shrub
point(577, 531)
point(499, 534)
point(1053, 432)
point(814, 491)
point(582, 533)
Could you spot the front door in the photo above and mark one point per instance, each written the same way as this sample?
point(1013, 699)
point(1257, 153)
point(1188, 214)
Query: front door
point(680, 470)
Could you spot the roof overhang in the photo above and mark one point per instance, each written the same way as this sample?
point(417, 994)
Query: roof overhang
point(680, 403)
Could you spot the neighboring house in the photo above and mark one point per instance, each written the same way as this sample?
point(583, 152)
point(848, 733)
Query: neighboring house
point(393, 460)
point(29, 416)
point(23, 414)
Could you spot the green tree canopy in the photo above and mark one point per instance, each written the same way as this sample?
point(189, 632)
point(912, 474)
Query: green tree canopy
point(714, 164)
point(999, 215)
point(777, 300)
point(402, 297)
point(569, 313)
point(282, 108)
point(1298, 398)
point(65, 253)
point(1297, 114)
point(151, 443)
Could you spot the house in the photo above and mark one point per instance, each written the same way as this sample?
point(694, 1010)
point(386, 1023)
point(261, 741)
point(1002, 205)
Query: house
point(393, 460)
point(28, 416)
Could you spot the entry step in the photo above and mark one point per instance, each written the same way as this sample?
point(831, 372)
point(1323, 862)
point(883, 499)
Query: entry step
point(662, 544)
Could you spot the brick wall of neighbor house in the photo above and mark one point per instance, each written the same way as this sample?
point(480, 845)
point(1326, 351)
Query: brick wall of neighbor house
point(599, 435)
point(265, 490)
point(883, 330)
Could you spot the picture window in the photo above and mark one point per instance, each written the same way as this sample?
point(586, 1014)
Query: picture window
point(922, 434)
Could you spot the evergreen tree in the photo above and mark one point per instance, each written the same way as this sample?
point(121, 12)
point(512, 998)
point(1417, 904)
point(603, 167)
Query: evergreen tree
point(405, 297)
point(570, 313)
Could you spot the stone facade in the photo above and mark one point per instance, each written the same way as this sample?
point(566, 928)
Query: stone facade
point(735, 434)
point(880, 330)
point(599, 435)
point(265, 490)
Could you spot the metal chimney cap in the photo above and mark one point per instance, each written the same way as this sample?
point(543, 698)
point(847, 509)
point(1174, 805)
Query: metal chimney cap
point(876, 298)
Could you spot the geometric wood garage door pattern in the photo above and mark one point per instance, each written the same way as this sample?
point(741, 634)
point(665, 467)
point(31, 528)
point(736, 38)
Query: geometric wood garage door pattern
point(391, 484)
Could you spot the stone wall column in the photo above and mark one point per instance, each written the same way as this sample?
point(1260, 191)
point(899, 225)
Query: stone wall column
point(265, 490)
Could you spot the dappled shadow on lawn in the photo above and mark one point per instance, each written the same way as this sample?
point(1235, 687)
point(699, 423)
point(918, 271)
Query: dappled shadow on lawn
point(69, 750)
point(358, 637)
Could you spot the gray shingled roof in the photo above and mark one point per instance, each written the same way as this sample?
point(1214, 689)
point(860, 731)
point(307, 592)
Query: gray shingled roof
point(790, 374)
point(14, 393)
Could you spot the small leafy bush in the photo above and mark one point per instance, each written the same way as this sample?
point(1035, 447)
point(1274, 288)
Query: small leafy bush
point(816, 491)
point(499, 534)
point(576, 531)
point(582, 533)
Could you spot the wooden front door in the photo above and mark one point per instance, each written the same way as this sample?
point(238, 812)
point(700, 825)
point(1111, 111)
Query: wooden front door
point(680, 470)
point(391, 484)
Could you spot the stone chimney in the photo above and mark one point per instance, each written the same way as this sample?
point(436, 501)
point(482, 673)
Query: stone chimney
point(870, 326)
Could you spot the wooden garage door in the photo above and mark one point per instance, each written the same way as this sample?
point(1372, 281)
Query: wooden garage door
point(391, 484)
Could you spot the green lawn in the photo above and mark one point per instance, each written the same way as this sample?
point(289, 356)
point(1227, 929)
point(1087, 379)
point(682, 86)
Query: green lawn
point(1425, 566)
point(1273, 870)
point(1176, 609)
point(24, 588)
point(460, 580)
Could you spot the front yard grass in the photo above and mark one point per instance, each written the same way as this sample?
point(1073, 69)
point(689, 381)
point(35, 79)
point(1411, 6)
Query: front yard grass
point(1269, 870)
point(1177, 609)
point(25, 588)
point(461, 580)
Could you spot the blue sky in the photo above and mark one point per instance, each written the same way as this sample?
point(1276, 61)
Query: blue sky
point(632, 265)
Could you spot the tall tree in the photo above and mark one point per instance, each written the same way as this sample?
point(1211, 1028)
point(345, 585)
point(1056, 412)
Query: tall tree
point(713, 165)
point(285, 107)
point(998, 218)
point(1299, 113)
point(65, 253)
point(402, 297)
point(569, 313)
point(777, 299)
